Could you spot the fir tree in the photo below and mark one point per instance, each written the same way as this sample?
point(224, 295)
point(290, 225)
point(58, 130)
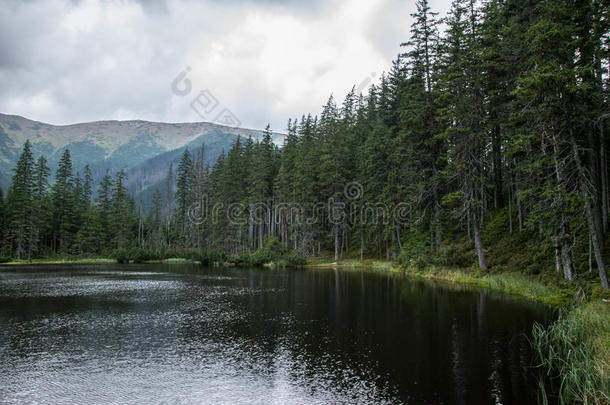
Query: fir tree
point(3, 221)
point(20, 203)
point(123, 218)
point(40, 209)
point(184, 193)
point(104, 212)
point(63, 205)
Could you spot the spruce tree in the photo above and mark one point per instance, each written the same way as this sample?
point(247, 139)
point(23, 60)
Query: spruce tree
point(20, 204)
point(169, 192)
point(40, 207)
point(464, 115)
point(104, 212)
point(156, 221)
point(261, 180)
point(184, 195)
point(63, 205)
point(123, 215)
point(418, 114)
point(3, 222)
point(89, 227)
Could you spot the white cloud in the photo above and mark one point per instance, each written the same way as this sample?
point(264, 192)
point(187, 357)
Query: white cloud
point(72, 61)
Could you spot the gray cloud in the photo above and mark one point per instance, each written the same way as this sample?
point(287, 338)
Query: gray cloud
point(65, 61)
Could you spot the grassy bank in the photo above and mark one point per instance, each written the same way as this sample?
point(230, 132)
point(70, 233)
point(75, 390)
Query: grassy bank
point(62, 260)
point(322, 262)
point(550, 289)
point(271, 254)
point(513, 283)
point(575, 352)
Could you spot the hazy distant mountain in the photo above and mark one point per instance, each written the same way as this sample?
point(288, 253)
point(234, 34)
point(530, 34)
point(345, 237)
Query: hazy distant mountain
point(143, 148)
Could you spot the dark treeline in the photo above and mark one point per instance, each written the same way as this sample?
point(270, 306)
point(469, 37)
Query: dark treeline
point(498, 109)
point(65, 218)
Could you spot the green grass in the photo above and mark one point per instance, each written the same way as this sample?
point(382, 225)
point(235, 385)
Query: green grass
point(575, 352)
point(176, 260)
point(65, 260)
point(513, 283)
point(351, 263)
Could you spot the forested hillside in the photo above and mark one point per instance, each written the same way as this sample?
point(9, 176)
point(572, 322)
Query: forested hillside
point(495, 114)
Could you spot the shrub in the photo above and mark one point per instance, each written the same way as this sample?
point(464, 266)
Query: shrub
point(240, 260)
point(413, 252)
point(296, 260)
point(210, 258)
point(120, 255)
point(272, 251)
point(134, 254)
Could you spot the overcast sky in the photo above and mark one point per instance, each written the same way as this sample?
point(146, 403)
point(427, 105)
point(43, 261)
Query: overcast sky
point(72, 61)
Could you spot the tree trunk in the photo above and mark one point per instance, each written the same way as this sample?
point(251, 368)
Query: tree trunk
point(497, 167)
point(594, 169)
point(260, 234)
point(520, 214)
point(478, 245)
point(558, 266)
point(361, 244)
point(336, 232)
point(567, 264)
point(398, 238)
point(387, 251)
point(604, 177)
point(437, 208)
point(510, 211)
point(596, 240)
point(468, 225)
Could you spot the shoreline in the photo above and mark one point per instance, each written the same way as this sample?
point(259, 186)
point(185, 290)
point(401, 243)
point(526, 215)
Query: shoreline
point(509, 282)
point(512, 283)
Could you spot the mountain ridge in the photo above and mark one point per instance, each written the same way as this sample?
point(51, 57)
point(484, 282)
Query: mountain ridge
point(112, 144)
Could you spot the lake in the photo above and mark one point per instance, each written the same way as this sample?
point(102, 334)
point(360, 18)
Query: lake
point(184, 334)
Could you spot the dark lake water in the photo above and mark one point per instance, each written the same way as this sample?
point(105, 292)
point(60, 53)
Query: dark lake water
point(179, 334)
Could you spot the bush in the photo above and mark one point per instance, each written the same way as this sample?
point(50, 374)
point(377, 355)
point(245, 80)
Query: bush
point(259, 257)
point(272, 251)
point(141, 255)
point(240, 260)
point(5, 259)
point(296, 260)
point(135, 255)
point(414, 250)
point(460, 255)
point(208, 258)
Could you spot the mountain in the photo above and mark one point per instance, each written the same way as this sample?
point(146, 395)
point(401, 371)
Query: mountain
point(144, 149)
